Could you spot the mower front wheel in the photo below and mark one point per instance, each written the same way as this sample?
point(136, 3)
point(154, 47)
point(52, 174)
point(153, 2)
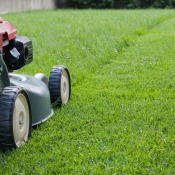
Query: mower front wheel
point(15, 118)
point(59, 85)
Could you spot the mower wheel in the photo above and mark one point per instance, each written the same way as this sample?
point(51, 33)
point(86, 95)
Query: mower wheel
point(15, 118)
point(59, 85)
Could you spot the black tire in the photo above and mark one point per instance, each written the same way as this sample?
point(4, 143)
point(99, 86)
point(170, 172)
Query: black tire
point(15, 117)
point(59, 85)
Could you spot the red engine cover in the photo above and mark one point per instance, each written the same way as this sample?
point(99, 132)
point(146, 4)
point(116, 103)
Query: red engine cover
point(7, 29)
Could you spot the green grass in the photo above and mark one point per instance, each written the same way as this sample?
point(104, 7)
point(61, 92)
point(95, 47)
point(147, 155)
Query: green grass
point(121, 117)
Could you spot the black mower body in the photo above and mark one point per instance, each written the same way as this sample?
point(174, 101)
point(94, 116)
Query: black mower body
point(14, 54)
point(38, 94)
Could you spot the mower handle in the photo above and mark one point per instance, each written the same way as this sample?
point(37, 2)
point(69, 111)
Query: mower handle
point(4, 77)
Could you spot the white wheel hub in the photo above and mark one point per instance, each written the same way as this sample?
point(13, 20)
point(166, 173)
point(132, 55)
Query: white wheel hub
point(64, 87)
point(21, 120)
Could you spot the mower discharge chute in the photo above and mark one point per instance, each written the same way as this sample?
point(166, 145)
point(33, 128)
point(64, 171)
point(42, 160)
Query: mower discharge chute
point(25, 100)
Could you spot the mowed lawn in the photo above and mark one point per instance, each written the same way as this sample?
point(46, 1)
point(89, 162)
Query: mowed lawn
point(121, 116)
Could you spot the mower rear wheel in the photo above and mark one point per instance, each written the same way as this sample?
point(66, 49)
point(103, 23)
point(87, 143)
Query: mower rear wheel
point(59, 85)
point(15, 118)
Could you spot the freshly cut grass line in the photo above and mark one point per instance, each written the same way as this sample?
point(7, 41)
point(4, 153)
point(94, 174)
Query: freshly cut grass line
point(120, 119)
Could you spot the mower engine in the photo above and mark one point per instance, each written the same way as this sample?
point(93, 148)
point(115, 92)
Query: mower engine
point(17, 50)
point(18, 53)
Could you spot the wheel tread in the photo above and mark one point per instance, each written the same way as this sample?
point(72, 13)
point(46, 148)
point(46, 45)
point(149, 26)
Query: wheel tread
point(7, 100)
point(54, 85)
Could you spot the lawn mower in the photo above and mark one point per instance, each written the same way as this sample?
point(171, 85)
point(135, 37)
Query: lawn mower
point(25, 101)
